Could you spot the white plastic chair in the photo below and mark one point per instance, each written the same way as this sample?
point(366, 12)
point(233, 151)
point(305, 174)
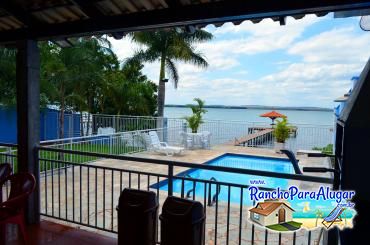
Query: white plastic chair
point(162, 147)
point(206, 139)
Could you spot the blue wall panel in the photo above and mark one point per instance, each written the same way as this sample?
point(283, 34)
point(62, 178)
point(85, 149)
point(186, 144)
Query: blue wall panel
point(48, 125)
point(8, 125)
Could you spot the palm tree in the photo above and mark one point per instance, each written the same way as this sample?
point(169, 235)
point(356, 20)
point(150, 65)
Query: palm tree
point(195, 120)
point(169, 46)
point(319, 214)
point(74, 75)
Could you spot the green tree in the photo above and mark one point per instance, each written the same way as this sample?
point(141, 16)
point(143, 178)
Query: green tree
point(7, 77)
point(169, 46)
point(75, 77)
point(130, 92)
point(86, 77)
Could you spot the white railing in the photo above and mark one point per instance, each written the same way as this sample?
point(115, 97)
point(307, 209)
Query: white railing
point(117, 144)
point(302, 137)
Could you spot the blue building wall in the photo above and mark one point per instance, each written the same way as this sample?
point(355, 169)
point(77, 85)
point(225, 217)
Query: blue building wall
point(48, 125)
point(8, 125)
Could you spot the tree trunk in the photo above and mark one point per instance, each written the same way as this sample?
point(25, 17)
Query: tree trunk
point(162, 88)
point(81, 124)
point(61, 123)
point(89, 106)
point(161, 98)
point(61, 117)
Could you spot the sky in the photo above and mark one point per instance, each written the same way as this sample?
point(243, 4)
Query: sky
point(307, 62)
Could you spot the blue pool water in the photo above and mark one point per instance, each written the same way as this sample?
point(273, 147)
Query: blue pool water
point(303, 208)
point(279, 165)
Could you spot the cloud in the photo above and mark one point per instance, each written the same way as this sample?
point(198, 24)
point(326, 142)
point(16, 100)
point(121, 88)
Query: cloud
point(268, 27)
point(311, 66)
point(340, 45)
point(231, 42)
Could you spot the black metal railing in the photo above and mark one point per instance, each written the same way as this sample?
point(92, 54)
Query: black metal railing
point(9, 154)
point(86, 194)
point(212, 199)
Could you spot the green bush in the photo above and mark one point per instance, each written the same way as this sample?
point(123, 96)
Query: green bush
point(195, 120)
point(326, 149)
point(281, 131)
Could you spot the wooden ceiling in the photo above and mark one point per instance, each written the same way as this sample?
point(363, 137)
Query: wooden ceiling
point(56, 19)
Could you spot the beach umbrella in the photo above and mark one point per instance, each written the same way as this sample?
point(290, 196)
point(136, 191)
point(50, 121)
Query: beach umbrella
point(273, 115)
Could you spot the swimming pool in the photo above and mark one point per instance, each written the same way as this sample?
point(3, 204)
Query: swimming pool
point(271, 164)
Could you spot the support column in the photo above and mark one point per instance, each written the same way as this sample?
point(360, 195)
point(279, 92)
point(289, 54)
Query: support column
point(28, 119)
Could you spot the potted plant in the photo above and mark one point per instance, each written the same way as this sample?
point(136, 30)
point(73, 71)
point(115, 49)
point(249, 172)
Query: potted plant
point(281, 134)
point(195, 120)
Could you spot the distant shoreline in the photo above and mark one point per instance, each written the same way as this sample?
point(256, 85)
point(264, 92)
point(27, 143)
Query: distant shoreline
point(260, 107)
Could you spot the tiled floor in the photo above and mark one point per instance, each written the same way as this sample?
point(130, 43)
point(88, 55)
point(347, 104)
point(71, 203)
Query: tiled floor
point(52, 233)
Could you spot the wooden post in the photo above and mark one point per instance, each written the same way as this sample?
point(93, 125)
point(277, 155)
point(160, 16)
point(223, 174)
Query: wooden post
point(28, 114)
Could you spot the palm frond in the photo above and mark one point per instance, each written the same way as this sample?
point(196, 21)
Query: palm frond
point(197, 37)
point(142, 56)
point(172, 70)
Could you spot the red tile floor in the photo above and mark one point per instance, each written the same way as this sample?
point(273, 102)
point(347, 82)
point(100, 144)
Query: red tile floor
point(52, 233)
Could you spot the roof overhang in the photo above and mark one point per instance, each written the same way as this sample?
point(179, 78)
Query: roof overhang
point(341, 99)
point(356, 112)
point(92, 18)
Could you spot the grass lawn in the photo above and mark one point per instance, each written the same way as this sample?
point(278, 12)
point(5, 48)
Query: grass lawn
point(73, 158)
point(295, 224)
point(279, 227)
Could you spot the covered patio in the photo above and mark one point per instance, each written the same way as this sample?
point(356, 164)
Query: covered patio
point(24, 23)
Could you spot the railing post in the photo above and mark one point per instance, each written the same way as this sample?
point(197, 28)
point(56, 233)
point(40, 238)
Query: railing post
point(71, 148)
point(165, 129)
point(170, 179)
point(184, 127)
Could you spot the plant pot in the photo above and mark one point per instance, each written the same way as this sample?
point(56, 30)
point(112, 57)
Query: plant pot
point(278, 147)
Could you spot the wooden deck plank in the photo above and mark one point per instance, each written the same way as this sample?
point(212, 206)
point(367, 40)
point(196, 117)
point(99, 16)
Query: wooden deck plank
point(245, 139)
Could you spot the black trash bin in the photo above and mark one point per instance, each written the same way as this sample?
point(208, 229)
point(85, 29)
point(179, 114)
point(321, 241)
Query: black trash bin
point(182, 222)
point(137, 217)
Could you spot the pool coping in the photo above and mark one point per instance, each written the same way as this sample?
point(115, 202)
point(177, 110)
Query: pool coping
point(188, 171)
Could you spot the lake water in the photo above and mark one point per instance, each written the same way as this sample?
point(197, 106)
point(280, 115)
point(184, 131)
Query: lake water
point(314, 128)
point(252, 115)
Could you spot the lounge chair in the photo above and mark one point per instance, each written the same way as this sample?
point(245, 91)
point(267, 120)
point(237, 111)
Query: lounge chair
point(162, 147)
point(334, 216)
point(293, 159)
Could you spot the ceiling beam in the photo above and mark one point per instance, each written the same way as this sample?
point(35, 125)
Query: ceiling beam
point(16, 11)
point(88, 8)
point(173, 3)
point(213, 12)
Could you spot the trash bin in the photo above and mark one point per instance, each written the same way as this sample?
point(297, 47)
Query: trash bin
point(137, 217)
point(182, 222)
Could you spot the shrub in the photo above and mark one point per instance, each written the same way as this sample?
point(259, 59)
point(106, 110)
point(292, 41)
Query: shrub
point(195, 120)
point(281, 131)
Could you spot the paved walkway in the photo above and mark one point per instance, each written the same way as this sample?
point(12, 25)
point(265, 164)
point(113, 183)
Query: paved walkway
point(289, 226)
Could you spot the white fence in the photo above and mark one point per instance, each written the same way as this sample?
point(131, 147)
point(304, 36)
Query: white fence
point(130, 130)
